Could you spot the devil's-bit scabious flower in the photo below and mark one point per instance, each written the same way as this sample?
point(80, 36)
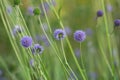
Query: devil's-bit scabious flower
point(117, 22)
point(99, 13)
point(38, 48)
point(59, 34)
point(36, 11)
point(26, 41)
point(79, 35)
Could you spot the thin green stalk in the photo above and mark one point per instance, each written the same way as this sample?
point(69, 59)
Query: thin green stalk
point(66, 62)
point(46, 17)
point(52, 45)
point(2, 62)
point(101, 49)
point(23, 21)
point(107, 34)
point(68, 42)
point(43, 67)
point(13, 44)
point(81, 57)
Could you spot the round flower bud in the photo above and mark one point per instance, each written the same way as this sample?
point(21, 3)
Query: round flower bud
point(117, 22)
point(36, 11)
point(26, 41)
point(59, 34)
point(79, 36)
point(99, 13)
point(38, 48)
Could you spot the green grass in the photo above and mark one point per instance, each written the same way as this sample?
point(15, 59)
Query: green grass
point(99, 53)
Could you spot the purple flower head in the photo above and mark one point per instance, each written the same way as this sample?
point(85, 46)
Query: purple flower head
point(79, 36)
point(38, 48)
point(32, 62)
point(99, 13)
point(59, 34)
point(17, 29)
point(9, 9)
point(68, 31)
point(30, 10)
point(26, 41)
point(109, 8)
point(117, 22)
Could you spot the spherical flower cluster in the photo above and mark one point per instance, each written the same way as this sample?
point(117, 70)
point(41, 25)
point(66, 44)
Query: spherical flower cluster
point(117, 22)
point(36, 11)
point(26, 41)
point(79, 35)
point(59, 34)
point(38, 48)
point(99, 13)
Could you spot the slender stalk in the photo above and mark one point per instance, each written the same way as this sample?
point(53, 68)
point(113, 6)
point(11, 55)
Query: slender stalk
point(68, 42)
point(81, 58)
point(66, 62)
point(46, 16)
point(52, 45)
point(108, 37)
point(13, 44)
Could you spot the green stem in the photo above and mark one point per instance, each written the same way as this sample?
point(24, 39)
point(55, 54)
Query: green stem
point(108, 39)
point(46, 17)
point(52, 45)
point(81, 57)
point(66, 60)
point(68, 42)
